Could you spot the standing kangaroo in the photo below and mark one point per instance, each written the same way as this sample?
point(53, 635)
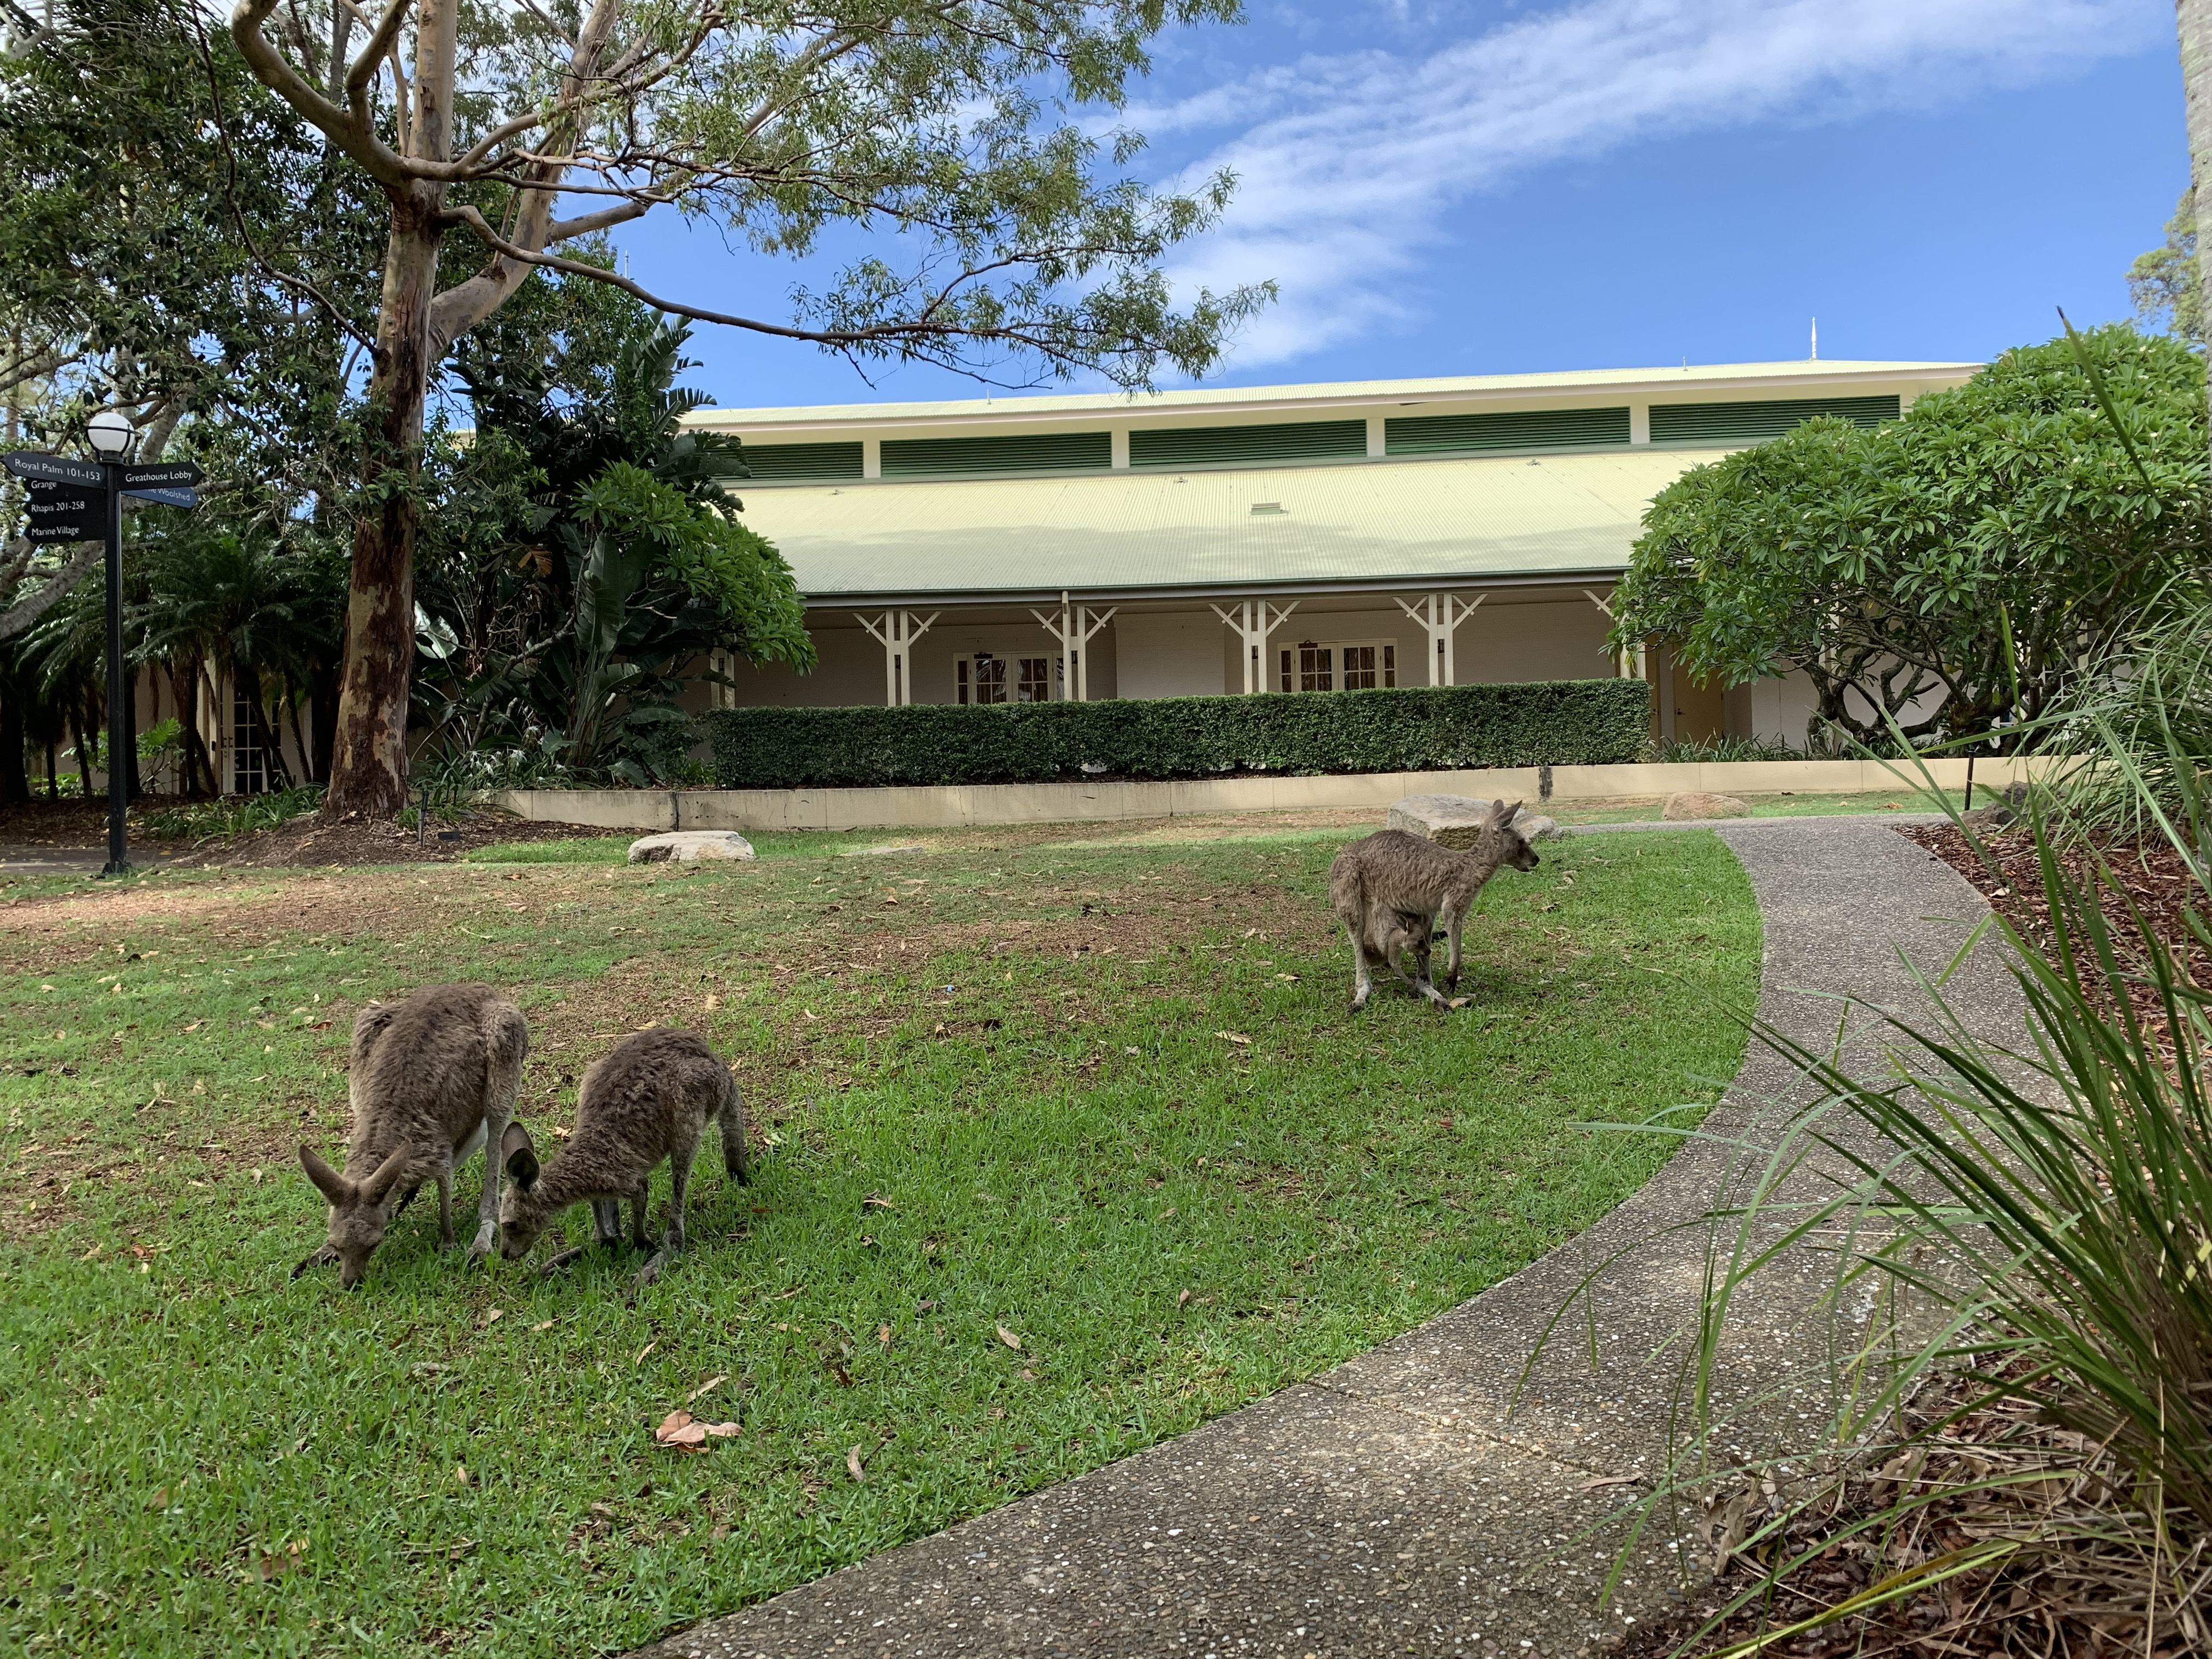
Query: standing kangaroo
point(433, 1078)
point(650, 1098)
point(1390, 887)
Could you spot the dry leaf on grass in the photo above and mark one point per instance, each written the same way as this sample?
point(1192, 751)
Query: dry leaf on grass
point(883, 1336)
point(682, 1429)
point(1181, 1297)
point(853, 1464)
point(713, 1382)
point(1237, 1037)
point(1010, 1339)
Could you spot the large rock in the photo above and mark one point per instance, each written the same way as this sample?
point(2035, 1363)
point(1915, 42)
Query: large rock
point(687, 846)
point(1457, 820)
point(1694, 805)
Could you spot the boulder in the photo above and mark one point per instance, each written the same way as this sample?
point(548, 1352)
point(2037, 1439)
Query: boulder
point(1694, 805)
point(687, 846)
point(1456, 820)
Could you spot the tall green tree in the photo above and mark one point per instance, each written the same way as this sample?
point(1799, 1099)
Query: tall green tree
point(1973, 558)
point(2163, 282)
point(142, 269)
point(594, 558)
point(781, 123)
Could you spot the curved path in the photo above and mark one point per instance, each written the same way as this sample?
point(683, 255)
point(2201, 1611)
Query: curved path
point(1392, 1505)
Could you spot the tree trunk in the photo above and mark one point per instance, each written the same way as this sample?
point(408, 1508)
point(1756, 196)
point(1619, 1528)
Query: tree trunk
point(322, 719)
point(369, 769)
point(14, 780)
point(2193, 23)
point(130, 790)
point(184, 684)
point(53, 783)
point(76, 724)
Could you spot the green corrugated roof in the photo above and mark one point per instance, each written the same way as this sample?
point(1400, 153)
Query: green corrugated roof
point(1656, 384)
point(1488, 517)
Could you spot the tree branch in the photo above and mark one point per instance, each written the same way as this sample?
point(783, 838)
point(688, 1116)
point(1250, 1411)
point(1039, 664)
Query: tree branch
point(564, 230)
point(25, 615)
point(270, 68)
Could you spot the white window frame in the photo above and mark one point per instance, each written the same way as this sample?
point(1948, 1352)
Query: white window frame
point(1291, 668)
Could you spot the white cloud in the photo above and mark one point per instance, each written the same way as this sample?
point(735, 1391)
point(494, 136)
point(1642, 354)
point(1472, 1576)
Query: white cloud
point(1350, 165)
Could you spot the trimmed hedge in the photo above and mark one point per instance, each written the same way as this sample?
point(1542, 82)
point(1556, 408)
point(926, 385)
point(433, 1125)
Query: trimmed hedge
point(1554, 723)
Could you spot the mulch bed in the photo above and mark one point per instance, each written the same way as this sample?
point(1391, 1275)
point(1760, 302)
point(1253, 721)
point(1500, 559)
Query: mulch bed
point(77, 824)
point(2070, 1581)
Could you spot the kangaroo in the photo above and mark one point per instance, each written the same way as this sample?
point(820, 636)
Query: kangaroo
point(1390, 888)
point(433, 1078)
point(651, 1098)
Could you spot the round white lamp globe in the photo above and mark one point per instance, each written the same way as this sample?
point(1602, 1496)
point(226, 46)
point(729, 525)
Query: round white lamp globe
point(111, 435)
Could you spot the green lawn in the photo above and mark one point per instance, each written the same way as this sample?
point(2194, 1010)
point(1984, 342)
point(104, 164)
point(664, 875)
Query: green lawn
point(1107, 1099)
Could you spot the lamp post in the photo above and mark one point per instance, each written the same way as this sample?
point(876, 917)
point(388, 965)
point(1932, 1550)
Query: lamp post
point(64, 495)
point(112, 436)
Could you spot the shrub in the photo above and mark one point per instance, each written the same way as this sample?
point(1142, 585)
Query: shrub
point(1557, 723)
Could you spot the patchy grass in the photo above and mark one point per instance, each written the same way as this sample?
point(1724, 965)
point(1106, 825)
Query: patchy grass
point(1108, 1099)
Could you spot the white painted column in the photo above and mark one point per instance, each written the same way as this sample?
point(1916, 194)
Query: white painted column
point(1440, 616)
point(1378, 436)
point(1639, 423)
point(897, 630)
point(1118, 453)
point(872, 457)
point(1252, 621)
point(1073, 628)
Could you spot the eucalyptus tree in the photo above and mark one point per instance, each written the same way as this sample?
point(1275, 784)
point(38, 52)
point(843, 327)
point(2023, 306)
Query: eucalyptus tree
point(949, 125)
point(2193, 24)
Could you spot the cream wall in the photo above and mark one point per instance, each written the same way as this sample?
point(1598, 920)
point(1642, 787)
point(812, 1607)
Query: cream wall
point(1174, 653)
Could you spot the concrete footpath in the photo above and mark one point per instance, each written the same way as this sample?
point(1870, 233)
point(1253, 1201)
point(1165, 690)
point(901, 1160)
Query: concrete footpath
point(1395, 1505)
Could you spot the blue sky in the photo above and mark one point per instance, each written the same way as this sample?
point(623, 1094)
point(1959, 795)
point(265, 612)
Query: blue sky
point(1472, 188)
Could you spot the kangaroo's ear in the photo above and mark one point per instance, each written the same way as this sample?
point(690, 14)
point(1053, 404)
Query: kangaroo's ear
point(379, 1185)
point(1502, 813)
point(519, 1156)
point(328, 1181)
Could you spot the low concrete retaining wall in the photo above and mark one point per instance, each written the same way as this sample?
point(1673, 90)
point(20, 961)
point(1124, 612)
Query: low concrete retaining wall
point(1076, 803)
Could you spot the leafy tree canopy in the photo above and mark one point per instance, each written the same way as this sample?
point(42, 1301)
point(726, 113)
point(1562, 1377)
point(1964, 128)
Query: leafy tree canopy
point(2163, 282)
point(1954, 568)
point(596, 559)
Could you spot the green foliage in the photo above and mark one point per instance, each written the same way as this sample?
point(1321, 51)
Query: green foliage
point(2163, 282)
point(232, 815)
point(2143, 729)
point(1556, 723)
point(1975, 554)
point(593, 559)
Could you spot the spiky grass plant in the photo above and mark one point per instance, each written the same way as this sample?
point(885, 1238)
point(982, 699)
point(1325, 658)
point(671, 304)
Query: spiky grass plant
point(2032, 1230)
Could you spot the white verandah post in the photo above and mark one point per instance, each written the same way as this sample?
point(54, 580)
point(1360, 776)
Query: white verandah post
point(1073, 628)
point(1440, 616)
point(897, 631)
point(1252, 623)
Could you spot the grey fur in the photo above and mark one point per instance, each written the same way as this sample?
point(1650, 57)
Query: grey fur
point(651, 1097)
point(433, 1078)
point(1391, 888)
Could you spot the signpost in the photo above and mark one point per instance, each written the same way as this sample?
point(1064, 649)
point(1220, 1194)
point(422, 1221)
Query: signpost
point(73, 501)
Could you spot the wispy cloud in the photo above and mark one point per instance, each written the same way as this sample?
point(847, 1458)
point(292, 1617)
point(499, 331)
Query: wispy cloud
point(1351, 166)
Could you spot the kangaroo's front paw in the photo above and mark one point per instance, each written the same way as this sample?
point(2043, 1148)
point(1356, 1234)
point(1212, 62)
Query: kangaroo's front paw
point(557, 1263)
point(651, 1272)
point(322, 1258)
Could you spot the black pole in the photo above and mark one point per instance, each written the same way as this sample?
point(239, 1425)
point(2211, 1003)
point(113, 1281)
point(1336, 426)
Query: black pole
point(118, 683)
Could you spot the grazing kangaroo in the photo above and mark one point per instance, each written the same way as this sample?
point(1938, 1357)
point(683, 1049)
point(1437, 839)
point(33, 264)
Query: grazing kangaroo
point(651, 1097)
point(1390, 887)
point(433, 1078)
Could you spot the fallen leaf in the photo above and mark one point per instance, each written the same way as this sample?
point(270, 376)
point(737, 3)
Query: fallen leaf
point(785, 1296)
point(1460, 1002)
point(494, 1315)
point(1181, 1297)
point(543, 1325)
point(1292, 978)
point(853, 1464)
point(1236, 1037)
point(680, 1428)
point(712, 1002)
point(195, 1025)
point(1010, 1339)
point(461, 1473)
point(1251, 933)
point(871, 1201)
point(715, 1382)
point(809, 1012)
point(646, 1350)
point(883, 1334)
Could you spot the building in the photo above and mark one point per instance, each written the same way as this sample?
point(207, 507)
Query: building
point(1257, 540)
